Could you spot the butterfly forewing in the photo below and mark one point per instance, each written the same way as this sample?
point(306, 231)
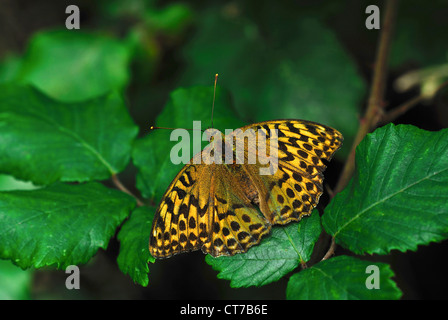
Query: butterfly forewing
point(213, 206)
point(181, 221)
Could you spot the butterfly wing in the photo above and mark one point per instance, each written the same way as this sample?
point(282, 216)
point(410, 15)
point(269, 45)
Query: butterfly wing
point(295, 188)
point(206, 207)
point(236, 223)
point(180, 224)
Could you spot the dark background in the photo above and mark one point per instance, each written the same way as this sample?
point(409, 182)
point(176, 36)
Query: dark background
point(420, 275)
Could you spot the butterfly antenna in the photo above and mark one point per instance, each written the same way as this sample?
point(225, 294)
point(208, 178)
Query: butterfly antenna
point(214, 95)
point(213, 108)
point(167, 128)
point(154, 128)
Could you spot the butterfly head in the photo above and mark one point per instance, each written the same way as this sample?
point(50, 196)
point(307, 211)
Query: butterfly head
point(212, 134)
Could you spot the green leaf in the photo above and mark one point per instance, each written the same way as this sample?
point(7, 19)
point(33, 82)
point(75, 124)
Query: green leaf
point(273, 75)
point(59, 225)
point(43, 140)
point(195, 104)
point(134, 245)
point(279, 253)
point(151, 154)
point(75, 65)
point(15, 283)
point(342, 277)
point(171, 20)
point(398, 197)
point(309, 231)
point(8, 183)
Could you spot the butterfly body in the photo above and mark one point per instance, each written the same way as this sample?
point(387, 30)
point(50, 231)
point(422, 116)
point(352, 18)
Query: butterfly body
point(215, 205)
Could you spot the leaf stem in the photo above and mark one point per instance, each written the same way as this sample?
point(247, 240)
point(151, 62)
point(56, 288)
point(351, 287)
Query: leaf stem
point(122, 188)
point(375, 103)
point(331, 250)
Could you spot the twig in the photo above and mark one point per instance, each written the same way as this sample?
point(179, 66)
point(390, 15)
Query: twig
point(375, 102)
point(330, 251)
point(398, 111)
point(121, 187)
point(375, 105)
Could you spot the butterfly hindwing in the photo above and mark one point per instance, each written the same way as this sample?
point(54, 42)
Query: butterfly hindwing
point(237, 224)
point(294, 189)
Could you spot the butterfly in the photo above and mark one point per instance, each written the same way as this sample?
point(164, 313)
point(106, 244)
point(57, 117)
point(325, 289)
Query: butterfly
point(225, 209)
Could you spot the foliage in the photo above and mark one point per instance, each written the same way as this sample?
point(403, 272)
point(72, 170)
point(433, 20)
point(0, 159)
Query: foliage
point(59, 225)
point(83, 141)
point(277, 255)
point(15, 283)
point(68, 127)
point(342, 277)
point(399, 191)
point(134, 255)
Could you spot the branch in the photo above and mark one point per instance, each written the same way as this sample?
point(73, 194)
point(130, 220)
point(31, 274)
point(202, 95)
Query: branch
point(375, 102)
point(375, 106)
point(398, 111)
point(121, 187)
point(330, 251)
